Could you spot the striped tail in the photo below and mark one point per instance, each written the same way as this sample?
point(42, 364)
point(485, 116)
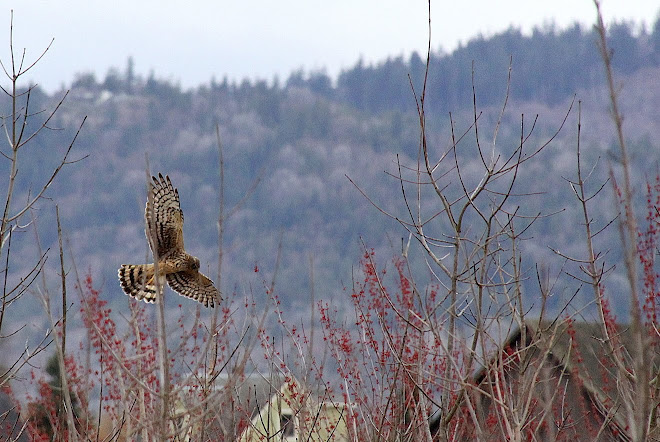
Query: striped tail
point(137, 281)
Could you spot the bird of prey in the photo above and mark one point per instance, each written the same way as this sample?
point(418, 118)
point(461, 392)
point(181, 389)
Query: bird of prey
point(174, 265)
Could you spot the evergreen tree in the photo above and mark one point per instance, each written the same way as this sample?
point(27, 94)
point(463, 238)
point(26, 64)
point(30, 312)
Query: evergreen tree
point(47, 414)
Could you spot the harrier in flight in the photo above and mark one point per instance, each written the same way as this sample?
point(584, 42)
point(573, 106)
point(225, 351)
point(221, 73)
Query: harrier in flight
point(174, 265)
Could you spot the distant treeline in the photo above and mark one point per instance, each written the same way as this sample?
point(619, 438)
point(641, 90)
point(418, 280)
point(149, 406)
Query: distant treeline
point(547, 66)
point(304, 135)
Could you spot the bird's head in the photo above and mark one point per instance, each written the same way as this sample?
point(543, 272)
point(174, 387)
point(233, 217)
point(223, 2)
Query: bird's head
point(194, 264)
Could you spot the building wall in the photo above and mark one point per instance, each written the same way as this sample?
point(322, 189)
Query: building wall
point(311, 420)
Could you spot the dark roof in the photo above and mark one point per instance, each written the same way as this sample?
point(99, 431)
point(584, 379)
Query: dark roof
point(582, 348)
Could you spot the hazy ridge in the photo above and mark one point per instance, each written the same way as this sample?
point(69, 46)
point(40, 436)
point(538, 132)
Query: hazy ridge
point(303, 137)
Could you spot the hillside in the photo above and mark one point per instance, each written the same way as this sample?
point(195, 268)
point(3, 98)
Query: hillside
point(303, 138)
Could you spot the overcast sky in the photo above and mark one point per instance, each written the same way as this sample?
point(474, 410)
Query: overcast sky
point(190, 41)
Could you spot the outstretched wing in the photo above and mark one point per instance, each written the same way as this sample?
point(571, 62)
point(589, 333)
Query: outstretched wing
point(165, 222)
point(195, 285)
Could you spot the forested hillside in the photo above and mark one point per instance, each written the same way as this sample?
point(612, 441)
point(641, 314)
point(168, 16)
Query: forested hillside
point(302, 137)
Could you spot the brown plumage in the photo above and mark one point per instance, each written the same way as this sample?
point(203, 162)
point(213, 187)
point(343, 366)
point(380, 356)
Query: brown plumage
point(176, 267)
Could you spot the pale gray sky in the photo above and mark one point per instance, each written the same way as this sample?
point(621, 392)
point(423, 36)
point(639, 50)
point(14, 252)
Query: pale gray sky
point(190, 41)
